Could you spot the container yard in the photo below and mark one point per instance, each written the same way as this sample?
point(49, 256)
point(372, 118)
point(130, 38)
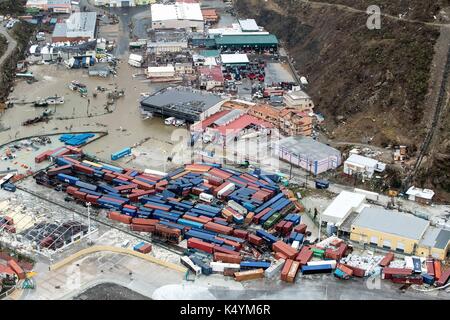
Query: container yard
point(129, 162)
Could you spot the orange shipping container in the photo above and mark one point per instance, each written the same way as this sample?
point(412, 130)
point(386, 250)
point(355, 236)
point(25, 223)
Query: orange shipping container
point(16, 268)
point(227, 258)
point(249, 275)
point(285, 249)
point(286, 268)
point(293, 271)
point(437, 269)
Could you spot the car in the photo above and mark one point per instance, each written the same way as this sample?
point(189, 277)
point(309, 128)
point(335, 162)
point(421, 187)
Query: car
point(68, 199)
point(251, 76)
point(261, 78)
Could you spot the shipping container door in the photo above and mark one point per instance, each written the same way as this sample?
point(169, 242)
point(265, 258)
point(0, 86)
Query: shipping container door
point(400, 246)
point(387, 244)
point(374, 241)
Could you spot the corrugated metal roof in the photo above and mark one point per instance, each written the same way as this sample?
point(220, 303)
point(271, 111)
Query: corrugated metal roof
point(79, 24)
point(230, 116)
point(248, 25)
point(362, 161)
point(436, 238)
point(266, 39)
point(391, 222)
point(234, 58)
point(177, 11)
point(308, 148)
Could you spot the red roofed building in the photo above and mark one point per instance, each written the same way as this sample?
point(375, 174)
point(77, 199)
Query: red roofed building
point(6, 270)
point(210, 15)
point(226, 125)
point(210, 78)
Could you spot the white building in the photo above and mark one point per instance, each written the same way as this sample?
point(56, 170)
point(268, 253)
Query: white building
point(298, 100)
point(363, 165)
point(135, 60)
point(161, 72)
point(341, 207)
point(234, 59)
point(177, 16)
point(424, 196)
point(163, 47)
point(115, 3)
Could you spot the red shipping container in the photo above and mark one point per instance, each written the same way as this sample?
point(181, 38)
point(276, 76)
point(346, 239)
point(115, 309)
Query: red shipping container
point(71, 190)
point(79, 195)
point(279, 255)
point(255, 240)
point(286, 267)
point(279, 226)
point(147, 222)
point(81, 168)
point(240, 233)
point(357, 272)
point(155, 206)
point(231, 243)
point(92, 199)
point(116, 216)
point(169, 231)
point(430, 266)
point(388, 273)
point(287, 227)
point(10, 229)
point(199, 219)
point(227, 258)
point(216, 219)
point(220, 173)
point(443, 279)
point(63, 169)
point(142, 185)
point(387, 259)
point(304, 256)
point(257, 217)
point(218, 248)
point(344, 269)
point(43, 156)
point(200, 245)
point(146, 248)
point(285, 249)
point(16, 268)
point(301, 228)
point(211, 226)
point(437, 269)
point(109, 177)
point(142, 228)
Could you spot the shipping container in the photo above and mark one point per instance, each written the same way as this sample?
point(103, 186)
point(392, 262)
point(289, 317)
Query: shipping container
point(220, 266)
point(273, 270)
point(200, 245)
point(245, 265)
point(285, 249)
point(324, 268)
point(249, 275)
point(443, 279)
point(227, 258)
point(285, 270)
point(185, 261)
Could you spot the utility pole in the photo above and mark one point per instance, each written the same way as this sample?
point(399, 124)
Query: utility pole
point(88, 204)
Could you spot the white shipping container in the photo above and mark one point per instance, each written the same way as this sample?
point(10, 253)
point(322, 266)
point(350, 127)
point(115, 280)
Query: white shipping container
point(236, 206)
point(295, 245)
point(206, 197)
point(220, 266)
point(190, 265)
point(230, 187)
point(136, 57)
point(276, 267)
point(323, 262)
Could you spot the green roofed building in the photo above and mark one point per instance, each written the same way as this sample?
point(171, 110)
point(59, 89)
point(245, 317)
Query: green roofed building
point(254, 41)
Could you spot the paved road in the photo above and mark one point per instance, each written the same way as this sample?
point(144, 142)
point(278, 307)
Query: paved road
point(12, 44)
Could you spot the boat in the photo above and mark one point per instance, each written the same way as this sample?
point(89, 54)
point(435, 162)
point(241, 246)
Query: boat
point(41, 103)
point(55, 100)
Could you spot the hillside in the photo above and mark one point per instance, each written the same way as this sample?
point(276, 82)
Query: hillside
point(371, 85)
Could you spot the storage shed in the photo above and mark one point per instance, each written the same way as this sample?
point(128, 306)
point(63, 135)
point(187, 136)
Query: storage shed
point(307, 153)
point(342, 206)
point(363, 165)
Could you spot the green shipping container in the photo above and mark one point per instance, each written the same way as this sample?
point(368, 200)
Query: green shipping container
point(318, 252)
point(272, 221)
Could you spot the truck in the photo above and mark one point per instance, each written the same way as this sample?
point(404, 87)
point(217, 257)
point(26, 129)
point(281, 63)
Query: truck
point(9, 187)
point(322, 184)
